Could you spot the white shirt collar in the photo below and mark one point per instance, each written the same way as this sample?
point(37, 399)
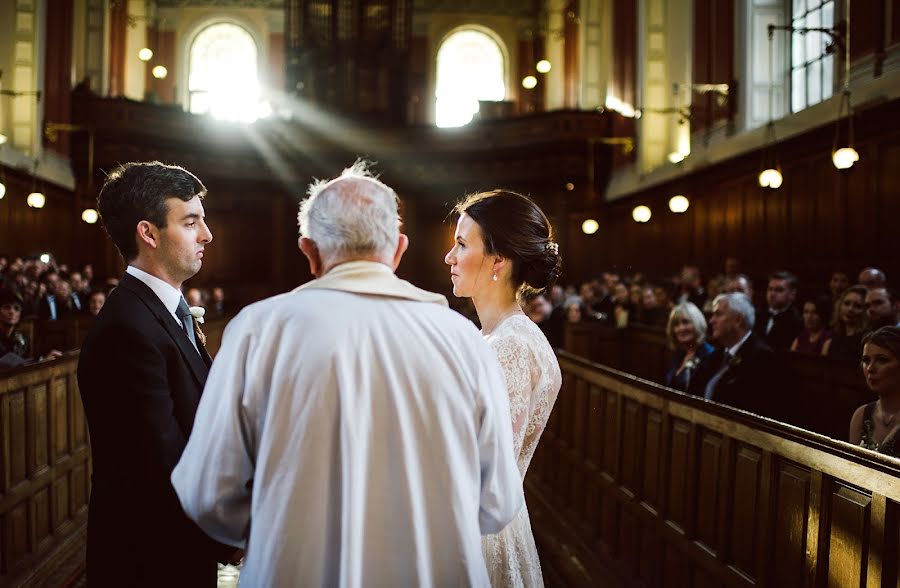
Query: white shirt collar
point(167, 294)
point(737, 346)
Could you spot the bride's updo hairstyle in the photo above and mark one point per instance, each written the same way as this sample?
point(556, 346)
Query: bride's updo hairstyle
point(516, 228)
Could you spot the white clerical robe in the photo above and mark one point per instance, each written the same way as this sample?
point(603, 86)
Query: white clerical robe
point(354, 433)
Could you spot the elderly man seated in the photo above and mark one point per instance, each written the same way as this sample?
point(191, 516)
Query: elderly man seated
point(739, 373)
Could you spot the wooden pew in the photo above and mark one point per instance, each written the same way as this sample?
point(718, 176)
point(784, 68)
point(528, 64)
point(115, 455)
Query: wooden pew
point(44, 473)
point(634, 484)
point(823, 393)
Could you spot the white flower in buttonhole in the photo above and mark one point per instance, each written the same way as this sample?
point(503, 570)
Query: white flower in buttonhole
point(197, 312)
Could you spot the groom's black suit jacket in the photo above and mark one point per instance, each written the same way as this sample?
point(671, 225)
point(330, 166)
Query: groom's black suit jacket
point(140, 380)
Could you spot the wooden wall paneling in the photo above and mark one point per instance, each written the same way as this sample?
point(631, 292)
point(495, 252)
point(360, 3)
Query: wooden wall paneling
point(18, 444)
point(746, 509)
point(709, 477)
point(850, 512)
point(888, 163)
point(804, 198)
point(701, 229)
point(276, 73)
point(861, 203)
point(679, 484)
point(777, 224)
point(791, 512)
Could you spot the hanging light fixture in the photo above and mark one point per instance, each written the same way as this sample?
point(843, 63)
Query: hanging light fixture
point(36, 199)
point(678, 204)
point(159, 72)
point(590, 226)
point(641, 214)
point(529, 82)
point(2, 189)
point(543, 66)
point(145, 54)
point(845, 157)
point(770, 176)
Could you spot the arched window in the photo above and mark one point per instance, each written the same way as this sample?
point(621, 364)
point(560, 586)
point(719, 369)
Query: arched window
point(222, 75)
point(470, 67)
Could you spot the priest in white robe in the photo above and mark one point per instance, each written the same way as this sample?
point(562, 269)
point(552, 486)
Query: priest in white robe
point(355, 431)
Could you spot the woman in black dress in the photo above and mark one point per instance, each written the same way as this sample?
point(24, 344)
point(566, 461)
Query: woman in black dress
point(876, 425)
point(848, 325)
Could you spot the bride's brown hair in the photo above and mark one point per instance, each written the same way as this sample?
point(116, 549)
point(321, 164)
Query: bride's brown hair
point(513, 226)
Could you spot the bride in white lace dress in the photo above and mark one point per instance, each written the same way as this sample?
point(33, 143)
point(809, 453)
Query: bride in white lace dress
point(503, 248)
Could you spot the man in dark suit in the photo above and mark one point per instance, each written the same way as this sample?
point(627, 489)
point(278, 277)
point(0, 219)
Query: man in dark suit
point(782, 322)
point(740, 373)
point(141, 372)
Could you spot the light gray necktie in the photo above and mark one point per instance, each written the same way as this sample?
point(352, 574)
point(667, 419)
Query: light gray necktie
point(711, 385)
point(187, 322)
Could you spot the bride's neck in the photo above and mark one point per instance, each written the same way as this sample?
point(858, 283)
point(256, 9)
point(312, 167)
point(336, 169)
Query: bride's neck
point(495, 304)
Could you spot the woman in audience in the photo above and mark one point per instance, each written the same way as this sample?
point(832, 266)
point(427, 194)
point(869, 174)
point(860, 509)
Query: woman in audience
point(814, 334)
point(848, 325)
point(95, 302)
point(876, 425)
point(574, 310)
point(504, 248)
point(686, 333)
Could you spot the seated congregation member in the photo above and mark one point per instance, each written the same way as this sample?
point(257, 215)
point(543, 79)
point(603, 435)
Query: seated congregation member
point(838, 282)
point(882, 308)
point(876, 425)
point(872, 277)
point(686, 334)
point(504, 248)
point(848, 325)
point(355, 431)
point(783, 322)
point(815, 331)
point(96, 300)
point(743, 372)
point(14, 344)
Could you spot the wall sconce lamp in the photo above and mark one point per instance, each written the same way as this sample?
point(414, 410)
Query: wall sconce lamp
point(590, 226)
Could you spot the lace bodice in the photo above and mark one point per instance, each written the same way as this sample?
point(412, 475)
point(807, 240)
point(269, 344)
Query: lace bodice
point(532, 377)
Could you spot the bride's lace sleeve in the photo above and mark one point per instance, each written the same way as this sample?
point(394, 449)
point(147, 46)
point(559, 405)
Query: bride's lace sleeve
point(516, 360)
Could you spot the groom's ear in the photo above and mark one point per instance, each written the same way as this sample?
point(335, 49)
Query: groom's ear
point(402, 245)
point(309, 249)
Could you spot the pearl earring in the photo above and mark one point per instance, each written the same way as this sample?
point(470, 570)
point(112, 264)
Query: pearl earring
point(495, 277)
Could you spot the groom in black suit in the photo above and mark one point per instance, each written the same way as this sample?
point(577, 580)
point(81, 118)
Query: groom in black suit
point(141, 372)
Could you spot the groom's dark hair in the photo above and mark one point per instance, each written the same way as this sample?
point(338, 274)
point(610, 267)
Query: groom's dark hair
point(134, 192)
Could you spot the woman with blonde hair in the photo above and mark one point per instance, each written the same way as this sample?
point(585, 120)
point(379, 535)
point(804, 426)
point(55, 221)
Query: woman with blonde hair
point(848, 325)
point(686, 335)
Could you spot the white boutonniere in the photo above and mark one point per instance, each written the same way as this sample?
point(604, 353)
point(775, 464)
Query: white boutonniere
point(197, 312)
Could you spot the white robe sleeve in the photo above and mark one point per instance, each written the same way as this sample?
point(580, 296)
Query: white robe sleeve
point(501, 485)
point(214, 477)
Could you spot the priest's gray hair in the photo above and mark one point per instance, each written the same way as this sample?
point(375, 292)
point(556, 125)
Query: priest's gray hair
point(739, 302)
point(354, 214)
